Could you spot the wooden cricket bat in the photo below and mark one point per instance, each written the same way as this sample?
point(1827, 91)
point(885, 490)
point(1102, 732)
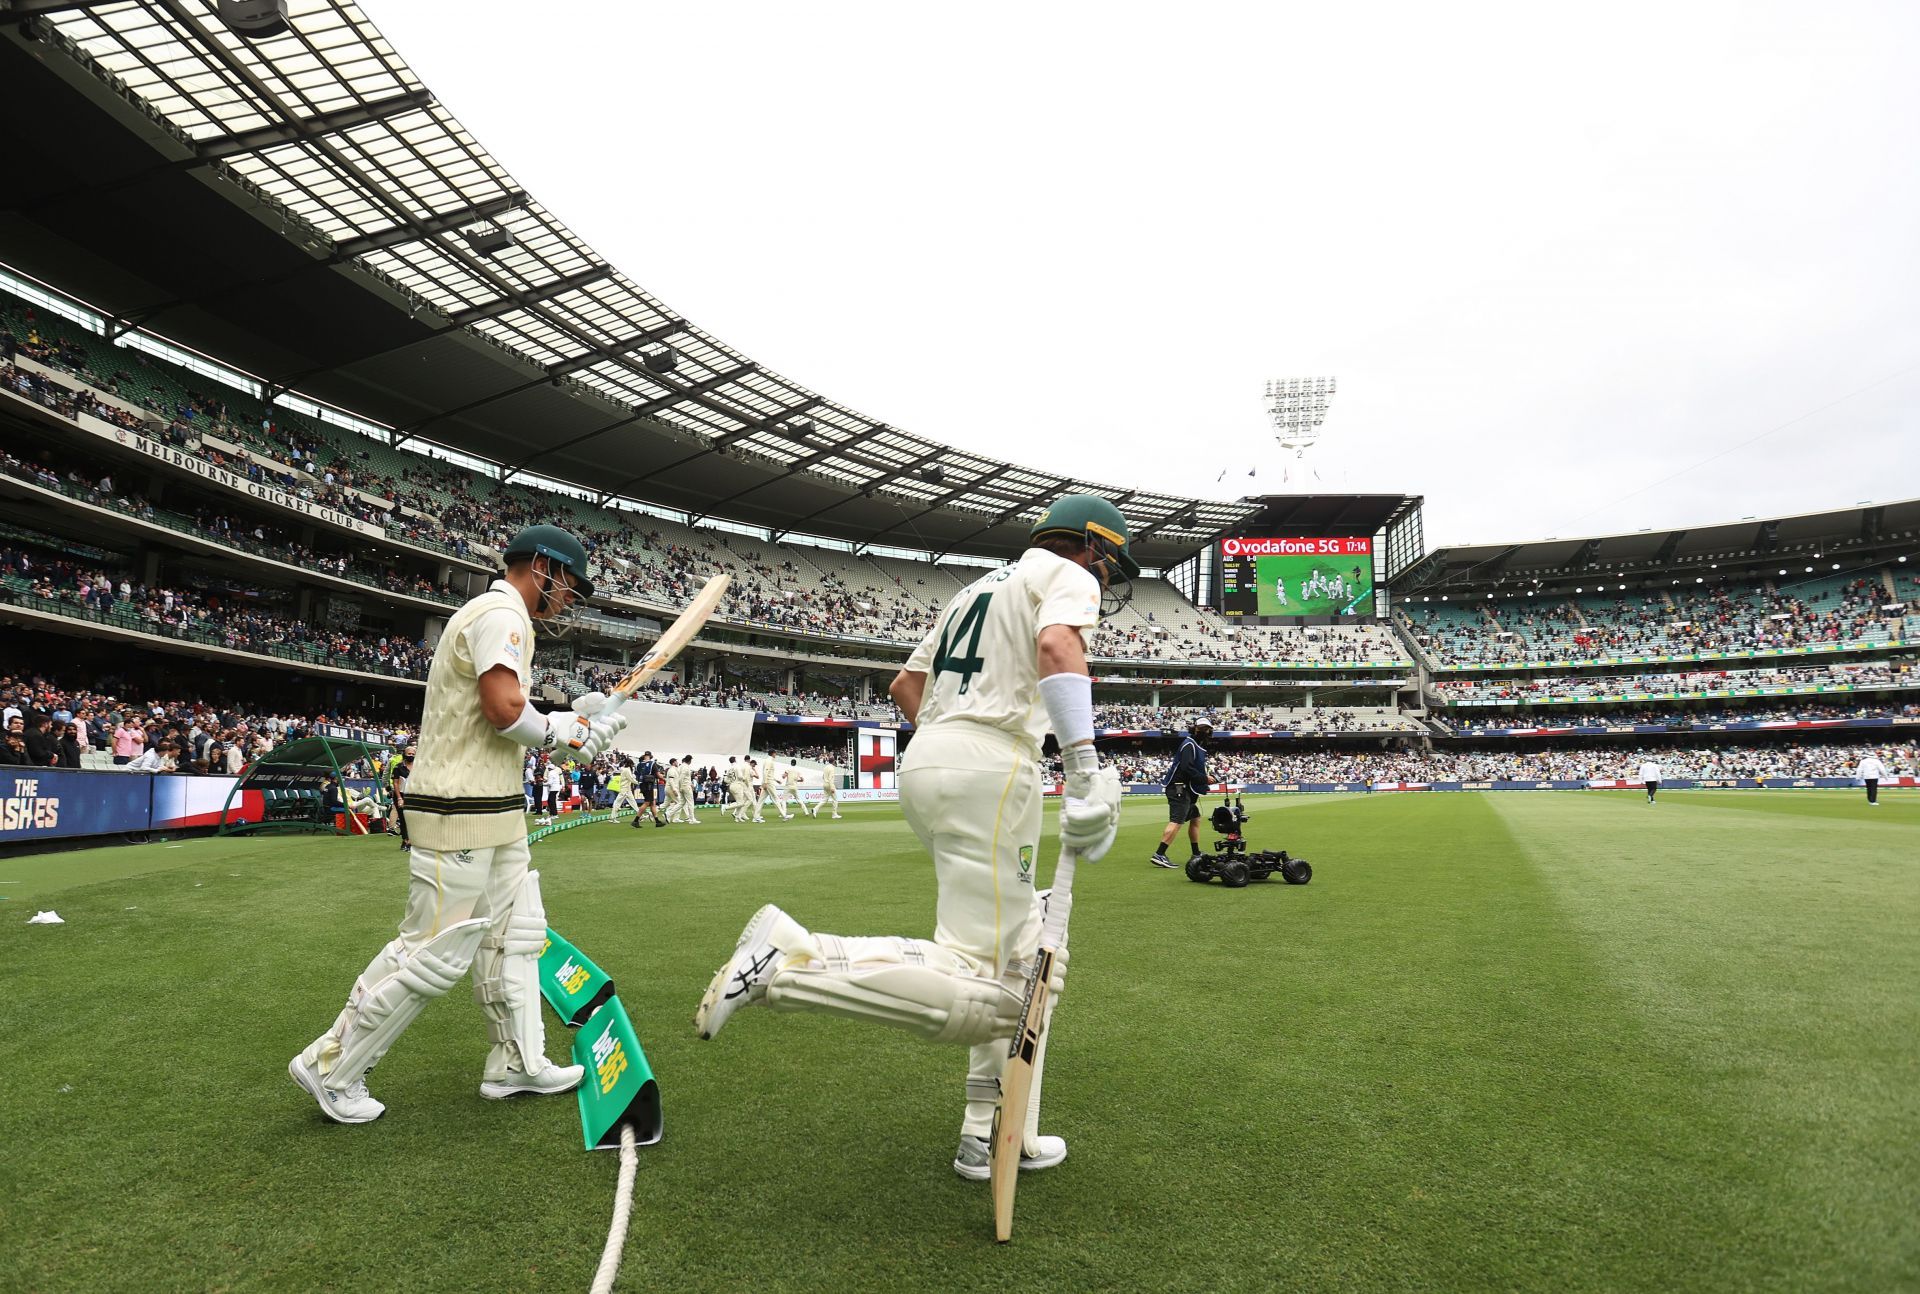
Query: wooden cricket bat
point(1016, 1081)
point(678, 635)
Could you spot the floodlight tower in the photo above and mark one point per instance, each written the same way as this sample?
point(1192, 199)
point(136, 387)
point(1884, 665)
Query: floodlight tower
point(1297, 406)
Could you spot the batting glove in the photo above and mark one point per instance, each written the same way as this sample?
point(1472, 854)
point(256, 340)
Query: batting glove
point(1090, 814)
point(579, 738)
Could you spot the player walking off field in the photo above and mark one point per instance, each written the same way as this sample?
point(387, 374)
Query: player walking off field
point(829, 792)
point(1650, 777)
point(683, 781)
point(1004, 663)
point(622, 785)
point(786, 782)
point(471, 902)
point(1186, 781)
point(739, 795)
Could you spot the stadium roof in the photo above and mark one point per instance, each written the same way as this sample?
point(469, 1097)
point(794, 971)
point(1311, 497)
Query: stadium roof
point(1862, 532)
point(302, 207)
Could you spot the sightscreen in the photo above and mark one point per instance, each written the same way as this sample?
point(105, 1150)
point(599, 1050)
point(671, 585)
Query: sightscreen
point(1296, 576)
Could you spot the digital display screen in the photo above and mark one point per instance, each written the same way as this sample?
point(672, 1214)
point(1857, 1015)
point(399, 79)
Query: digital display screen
point(1297, 576)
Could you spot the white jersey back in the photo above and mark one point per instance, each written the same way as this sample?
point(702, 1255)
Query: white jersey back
point(979, 656)
point(1649, 771)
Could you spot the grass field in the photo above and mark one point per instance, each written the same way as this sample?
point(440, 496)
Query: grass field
point(1540, 1041)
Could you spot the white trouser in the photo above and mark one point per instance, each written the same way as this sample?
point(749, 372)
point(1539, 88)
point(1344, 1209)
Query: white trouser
point(673, 802)
point(972, 796)
point(741, 803)
point(780, 800)
point(625, 800)
point(446, 888)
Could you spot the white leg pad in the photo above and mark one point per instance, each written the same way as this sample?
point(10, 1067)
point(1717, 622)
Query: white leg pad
point(389, 995)
point(909, 984)
point(506, 984)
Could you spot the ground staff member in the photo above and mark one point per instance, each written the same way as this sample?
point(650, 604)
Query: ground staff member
point(1005, 662)
point(471, 901)
point(1186, 781)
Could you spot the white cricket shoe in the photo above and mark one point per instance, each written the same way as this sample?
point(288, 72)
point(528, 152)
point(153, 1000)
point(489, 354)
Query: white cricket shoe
point(550, 1080)
point(974, 1159)
point(743, 980)
point(350, 1106)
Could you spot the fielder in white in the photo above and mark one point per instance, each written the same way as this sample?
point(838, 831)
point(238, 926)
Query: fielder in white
point(683, 783)
point(624, 784)
point(471, 901)
point(786, 785)
point(970, 789)
point(739, 794)
point(762, 775)
point(829, 791)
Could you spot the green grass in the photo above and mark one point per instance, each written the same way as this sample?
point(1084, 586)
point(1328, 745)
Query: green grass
point(1541, 1041)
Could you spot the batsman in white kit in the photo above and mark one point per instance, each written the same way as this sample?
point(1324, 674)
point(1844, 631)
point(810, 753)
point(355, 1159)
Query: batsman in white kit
point(970, 789)
point(471, 902)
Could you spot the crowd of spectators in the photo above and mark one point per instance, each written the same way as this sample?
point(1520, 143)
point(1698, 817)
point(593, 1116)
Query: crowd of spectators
point(1890, 672)
point(1782, 713)
point(1731, 618)
point(49, 724)
point(1572, 764)
point(1320, 719)
point(216, 617)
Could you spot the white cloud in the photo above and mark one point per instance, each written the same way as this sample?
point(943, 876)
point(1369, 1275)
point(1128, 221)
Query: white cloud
point(1553, 253)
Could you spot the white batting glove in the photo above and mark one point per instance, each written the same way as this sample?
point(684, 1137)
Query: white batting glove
point(1090, 813)
point(590, 704)
point(579, 738)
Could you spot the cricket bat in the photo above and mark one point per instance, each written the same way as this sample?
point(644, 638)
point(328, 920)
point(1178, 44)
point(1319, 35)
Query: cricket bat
point(1016, 1081)
point(678, 635)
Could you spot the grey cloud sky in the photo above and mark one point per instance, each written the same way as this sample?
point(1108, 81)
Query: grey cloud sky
point(1553, 253)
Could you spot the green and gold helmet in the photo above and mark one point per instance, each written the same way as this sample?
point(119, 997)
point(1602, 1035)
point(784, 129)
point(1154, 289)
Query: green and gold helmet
point(1099, 525)
point(557, 545)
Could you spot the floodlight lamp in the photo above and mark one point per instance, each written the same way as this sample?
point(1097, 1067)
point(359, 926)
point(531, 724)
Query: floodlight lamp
point(1809, 570)
point(1836, 566)
point(1783, 570)
point(1698, 580)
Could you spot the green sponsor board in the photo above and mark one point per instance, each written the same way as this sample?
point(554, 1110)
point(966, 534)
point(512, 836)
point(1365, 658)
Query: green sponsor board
point(619, 1086)
point(571, 983)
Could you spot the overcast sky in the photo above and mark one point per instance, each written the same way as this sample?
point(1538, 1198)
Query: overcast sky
point(1553, 253)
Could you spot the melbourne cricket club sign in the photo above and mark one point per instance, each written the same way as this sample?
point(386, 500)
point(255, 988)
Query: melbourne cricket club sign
point(180, 459)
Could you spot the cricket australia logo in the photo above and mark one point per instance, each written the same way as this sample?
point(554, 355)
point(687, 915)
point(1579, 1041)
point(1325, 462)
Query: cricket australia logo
point(1026, 864)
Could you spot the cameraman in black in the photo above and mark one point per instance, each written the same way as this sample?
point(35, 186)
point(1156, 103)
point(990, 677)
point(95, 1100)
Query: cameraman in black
point(1186, 782)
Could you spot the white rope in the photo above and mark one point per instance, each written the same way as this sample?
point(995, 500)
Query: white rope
point(622, 1209)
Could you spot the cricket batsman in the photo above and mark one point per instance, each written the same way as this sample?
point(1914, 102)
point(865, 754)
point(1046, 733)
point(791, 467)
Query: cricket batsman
point(471, 902)
point(1004, 663)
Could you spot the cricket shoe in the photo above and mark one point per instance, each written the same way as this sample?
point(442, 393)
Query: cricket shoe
point(351, 1106)
point(550, 1080)
point(974, 1159)
point(759, 952)
point(1161, 860)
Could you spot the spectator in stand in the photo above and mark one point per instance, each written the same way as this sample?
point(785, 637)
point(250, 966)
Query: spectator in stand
point(41, 751)
point(13, 748)
point(129, 740)
point(66, 749)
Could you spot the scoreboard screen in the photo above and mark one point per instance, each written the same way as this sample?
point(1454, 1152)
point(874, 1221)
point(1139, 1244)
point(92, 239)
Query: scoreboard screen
point(1297, 576)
